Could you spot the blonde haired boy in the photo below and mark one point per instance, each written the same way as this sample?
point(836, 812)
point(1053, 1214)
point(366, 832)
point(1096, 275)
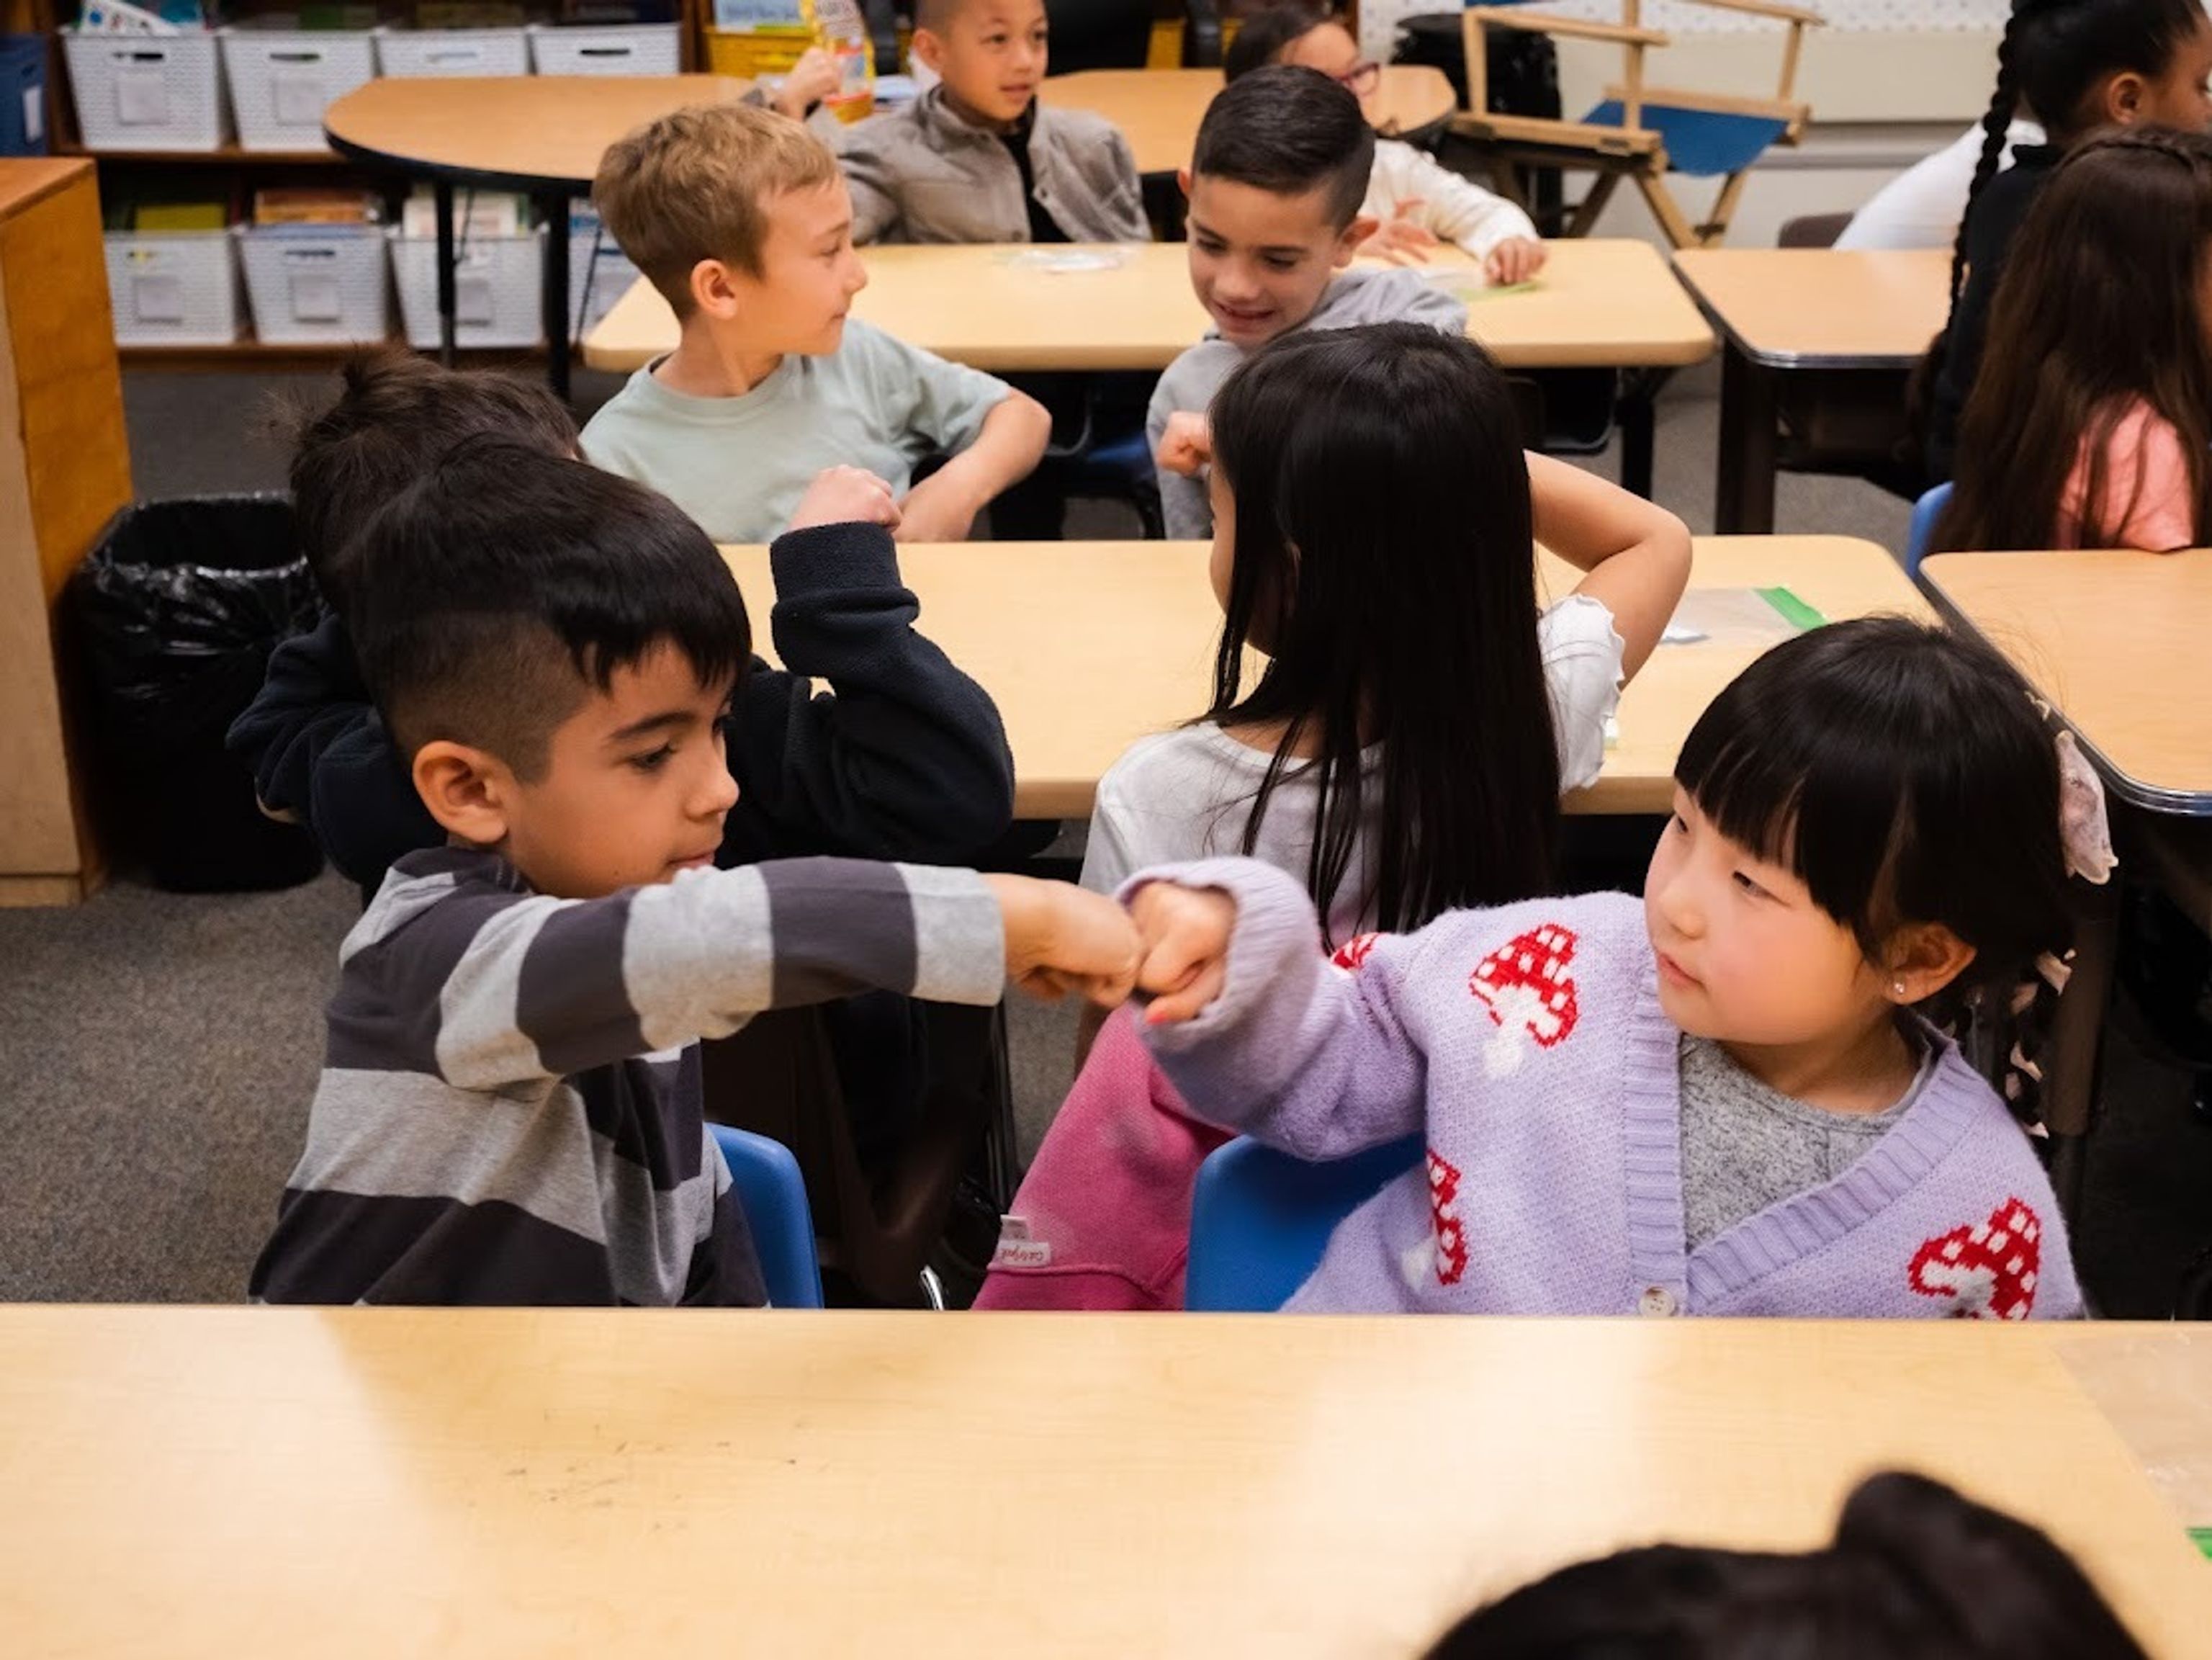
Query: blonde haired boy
point(740, 218)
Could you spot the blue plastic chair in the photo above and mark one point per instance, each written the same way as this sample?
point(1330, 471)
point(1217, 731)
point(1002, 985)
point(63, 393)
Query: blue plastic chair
point(1260, 1219)
point(774, 1196)
point(1925, 512)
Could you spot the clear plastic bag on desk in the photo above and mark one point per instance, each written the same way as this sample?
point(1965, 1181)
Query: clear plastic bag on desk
point(1739, 616)
point(1064, 261)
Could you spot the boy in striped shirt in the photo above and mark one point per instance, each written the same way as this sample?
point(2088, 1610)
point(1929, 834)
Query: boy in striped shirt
point(509, 1109)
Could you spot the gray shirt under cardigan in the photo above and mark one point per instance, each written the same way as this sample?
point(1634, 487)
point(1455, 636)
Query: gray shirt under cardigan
point(921, 173)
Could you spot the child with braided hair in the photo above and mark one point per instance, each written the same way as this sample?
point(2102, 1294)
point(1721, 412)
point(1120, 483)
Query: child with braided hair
point(2090, 424)
point(2077, 65)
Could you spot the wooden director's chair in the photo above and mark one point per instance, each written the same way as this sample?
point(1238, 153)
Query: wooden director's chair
point(1640, 132)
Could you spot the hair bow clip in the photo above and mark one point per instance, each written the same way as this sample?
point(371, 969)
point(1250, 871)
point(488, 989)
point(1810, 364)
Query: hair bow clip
point(2084, 827)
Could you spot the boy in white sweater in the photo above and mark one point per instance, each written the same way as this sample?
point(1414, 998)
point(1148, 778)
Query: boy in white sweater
point(1416, 203)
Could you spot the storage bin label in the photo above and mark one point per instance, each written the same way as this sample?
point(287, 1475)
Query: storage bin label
point(141, 99)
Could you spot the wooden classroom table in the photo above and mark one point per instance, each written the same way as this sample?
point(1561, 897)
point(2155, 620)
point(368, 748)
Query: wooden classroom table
point(220, 1481)
point(1600, 304)
point(1089, 645)
point(2115, 640)
point(2149, 1381)
point(543, 134)
point(1799, 311)
point(1158, 110)
point(1006, 308)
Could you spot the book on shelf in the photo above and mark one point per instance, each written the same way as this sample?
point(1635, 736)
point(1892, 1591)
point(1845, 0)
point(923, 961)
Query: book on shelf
point(315, 205)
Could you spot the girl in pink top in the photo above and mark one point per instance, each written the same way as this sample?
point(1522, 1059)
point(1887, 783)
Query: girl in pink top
point(2092, 413)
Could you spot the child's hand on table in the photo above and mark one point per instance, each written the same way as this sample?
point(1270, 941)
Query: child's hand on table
point(1183, 948)
point(1187, 445)
point(1515, 261)
point(1400, 238)
point(939, 509)
point(807, 82)
point(1060, 938)
point(845, 495)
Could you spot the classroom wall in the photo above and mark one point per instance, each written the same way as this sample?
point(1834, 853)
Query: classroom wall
point(1880, 99)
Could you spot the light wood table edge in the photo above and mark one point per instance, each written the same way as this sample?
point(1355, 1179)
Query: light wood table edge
point(1772, 359)
point(2118, 780)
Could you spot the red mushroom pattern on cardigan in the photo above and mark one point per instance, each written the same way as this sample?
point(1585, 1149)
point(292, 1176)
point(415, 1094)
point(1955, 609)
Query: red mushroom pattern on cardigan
point(1988, 1270)
point(1527, 993)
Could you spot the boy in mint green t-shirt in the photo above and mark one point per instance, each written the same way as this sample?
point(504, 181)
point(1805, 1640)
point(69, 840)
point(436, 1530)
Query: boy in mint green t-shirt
point(741, 219)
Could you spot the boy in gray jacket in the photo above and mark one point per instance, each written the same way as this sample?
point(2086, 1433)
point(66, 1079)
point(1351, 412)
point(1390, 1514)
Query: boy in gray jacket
point(1275, 187)
point(976, 158)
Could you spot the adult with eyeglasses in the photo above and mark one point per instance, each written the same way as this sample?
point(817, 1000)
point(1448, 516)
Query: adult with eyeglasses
point(1416, 204)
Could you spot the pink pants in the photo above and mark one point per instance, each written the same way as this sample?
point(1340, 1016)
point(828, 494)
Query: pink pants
point(1102, 1220)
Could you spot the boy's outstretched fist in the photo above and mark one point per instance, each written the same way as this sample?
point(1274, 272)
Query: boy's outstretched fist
point(1060, 938)
point(1185, 444)
point(1182, 943)
point(845, 496)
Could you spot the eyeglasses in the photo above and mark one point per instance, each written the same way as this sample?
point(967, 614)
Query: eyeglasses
point(1360, 79)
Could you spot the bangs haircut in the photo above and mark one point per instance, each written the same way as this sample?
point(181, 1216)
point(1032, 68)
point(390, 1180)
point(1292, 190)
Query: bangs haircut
point(1903, 774)
point(396, 414)
point(697, 184)
point(510, 584)
point(1289, 130)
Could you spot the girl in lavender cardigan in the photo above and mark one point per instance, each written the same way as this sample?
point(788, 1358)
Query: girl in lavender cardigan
point(1723, 1102)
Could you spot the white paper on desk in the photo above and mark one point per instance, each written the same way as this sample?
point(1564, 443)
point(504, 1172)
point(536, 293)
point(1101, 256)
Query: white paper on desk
point(1468, 283)
point(1734, 617)
point(1061, 262)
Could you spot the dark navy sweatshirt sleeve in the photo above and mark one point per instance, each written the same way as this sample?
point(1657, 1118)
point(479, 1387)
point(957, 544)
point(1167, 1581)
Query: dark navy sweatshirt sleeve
point(318, 750)
point(904, 757)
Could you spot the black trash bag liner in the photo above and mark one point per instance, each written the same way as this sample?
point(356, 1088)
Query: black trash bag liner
point(174, 616)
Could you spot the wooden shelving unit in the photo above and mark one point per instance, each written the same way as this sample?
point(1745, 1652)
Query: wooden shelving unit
point(230, 155)
point(238, 165)
point(247, 353)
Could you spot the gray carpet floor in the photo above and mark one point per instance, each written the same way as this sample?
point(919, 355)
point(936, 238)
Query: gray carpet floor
point(157, 1050)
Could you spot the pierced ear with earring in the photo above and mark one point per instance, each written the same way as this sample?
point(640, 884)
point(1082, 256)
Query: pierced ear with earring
point(1896, 988)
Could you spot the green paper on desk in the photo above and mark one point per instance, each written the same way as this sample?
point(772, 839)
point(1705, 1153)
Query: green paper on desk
point(1739, 617)
point(1791, 607)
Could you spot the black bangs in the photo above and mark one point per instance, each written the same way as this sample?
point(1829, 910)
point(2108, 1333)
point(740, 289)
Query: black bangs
point(500, 540)
point(1777, 765)
point(1903, 774)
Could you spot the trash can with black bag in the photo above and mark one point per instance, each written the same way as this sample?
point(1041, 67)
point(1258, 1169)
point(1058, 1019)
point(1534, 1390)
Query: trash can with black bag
point(172, 616)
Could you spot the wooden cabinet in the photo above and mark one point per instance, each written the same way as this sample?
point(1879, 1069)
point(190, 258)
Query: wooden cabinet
point(64, 469)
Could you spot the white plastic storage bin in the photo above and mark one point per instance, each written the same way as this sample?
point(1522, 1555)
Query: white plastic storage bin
point(623, 49)
point(173, 288)
point(452, 51)
point(312, 285)
point(594, 285)
point(281, 80)
point(497, 287)
point(147, 92)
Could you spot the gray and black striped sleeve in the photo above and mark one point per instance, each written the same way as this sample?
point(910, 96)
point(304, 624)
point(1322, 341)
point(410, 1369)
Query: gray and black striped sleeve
point(495, 989)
